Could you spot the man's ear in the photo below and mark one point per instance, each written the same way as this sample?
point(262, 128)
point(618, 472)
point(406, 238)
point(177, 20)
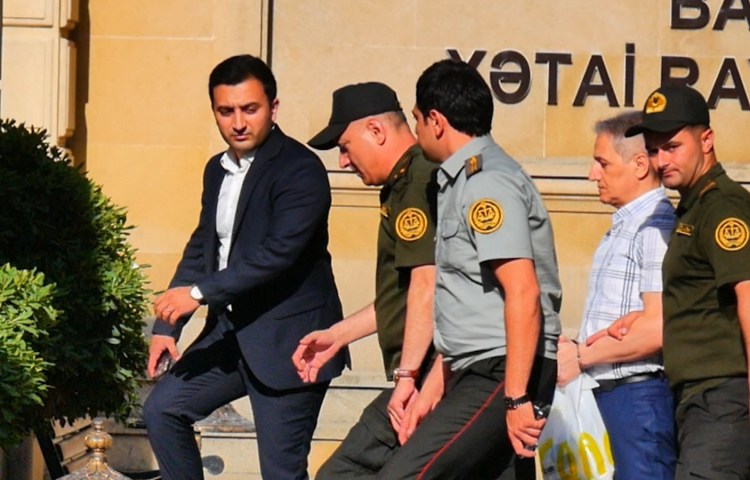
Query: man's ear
point(376, 128)
point(437, 122)
point(642, 165)
point(707, 141)
point(274, 109)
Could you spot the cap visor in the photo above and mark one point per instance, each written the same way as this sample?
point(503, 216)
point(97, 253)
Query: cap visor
point(328, 137)
point(655, 126)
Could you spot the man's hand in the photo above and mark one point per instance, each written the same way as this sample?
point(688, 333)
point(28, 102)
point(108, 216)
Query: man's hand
point(404, 395)
point(618, 329)
point(314, 350)
point(422, 405)
point(523, 430)
point(567, 361)
point(426, 400)
point(160, 345)
point(174, 304)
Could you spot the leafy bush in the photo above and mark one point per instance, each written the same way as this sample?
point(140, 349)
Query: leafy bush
point(53, 219)
point(26, 313)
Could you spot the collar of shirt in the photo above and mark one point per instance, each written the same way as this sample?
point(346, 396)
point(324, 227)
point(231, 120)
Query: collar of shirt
point(398, 172)
point(687, 202)
point(402, 166)
point(638, 210)
point(232, 165)
point(455, 163)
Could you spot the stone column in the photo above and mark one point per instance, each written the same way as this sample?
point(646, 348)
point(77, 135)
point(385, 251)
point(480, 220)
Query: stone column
point(38, 65)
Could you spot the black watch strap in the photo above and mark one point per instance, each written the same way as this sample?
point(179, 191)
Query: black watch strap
point(513, 403)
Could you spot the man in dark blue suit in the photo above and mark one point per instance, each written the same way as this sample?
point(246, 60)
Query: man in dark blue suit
point(259, 260)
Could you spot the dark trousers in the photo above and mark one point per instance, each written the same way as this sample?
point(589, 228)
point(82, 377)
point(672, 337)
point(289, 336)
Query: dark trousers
point(212, 373)
point(372, 442)
point(368, 446)
point(713, 432)
point(465, 437)
point(640, 421)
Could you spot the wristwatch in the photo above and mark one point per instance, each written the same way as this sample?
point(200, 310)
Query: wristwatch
point(400, 373)
point(513, 403)
point(195, 294)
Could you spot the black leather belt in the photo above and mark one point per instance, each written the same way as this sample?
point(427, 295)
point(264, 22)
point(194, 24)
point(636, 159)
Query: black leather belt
point(609, 385)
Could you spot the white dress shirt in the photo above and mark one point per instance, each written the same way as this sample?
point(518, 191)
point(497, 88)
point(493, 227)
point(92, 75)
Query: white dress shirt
point(229, 195)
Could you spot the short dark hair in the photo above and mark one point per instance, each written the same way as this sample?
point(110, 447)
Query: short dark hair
point(459, 92)
point(237, 69)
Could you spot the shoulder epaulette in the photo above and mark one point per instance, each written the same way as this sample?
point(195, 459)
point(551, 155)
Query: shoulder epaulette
point(711, 185)
point(473, 165)
point(401, 171)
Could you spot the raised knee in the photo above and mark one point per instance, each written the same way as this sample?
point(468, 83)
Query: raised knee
point(153, 409)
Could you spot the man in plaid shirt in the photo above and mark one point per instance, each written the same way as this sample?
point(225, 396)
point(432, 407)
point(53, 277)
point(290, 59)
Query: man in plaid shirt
point(625, 288)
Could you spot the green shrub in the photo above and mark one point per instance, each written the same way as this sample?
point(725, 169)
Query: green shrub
point(53, 219)
point(26, 314)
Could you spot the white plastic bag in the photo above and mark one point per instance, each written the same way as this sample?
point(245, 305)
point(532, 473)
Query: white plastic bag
point(574, 444)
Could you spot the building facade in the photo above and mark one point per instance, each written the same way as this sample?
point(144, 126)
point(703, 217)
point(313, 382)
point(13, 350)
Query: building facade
point(122, 84)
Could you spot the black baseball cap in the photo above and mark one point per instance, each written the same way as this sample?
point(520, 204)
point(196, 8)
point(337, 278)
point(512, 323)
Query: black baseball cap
point(672, 107)
point(351, 103)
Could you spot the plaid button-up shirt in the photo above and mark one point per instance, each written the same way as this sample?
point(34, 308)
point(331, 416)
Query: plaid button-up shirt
point(626, 264)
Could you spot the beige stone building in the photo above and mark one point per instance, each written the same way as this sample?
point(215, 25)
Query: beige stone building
point(123, 85)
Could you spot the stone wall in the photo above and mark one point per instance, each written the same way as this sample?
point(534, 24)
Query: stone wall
point(123, 85)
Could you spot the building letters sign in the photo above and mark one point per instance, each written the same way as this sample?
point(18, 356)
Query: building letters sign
point(510, 72)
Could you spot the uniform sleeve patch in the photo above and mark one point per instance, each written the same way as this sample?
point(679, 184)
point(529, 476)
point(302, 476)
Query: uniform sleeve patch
point(731, 234)
point(411, 224)
point(485, 215)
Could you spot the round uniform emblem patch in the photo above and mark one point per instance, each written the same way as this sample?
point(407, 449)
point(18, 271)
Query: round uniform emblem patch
point(485, 216)
point(411, 224)
point(731, 234)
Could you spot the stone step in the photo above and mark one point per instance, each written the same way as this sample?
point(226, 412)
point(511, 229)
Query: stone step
point(239, 451)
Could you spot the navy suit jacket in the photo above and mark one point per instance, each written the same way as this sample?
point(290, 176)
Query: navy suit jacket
point(278, 278)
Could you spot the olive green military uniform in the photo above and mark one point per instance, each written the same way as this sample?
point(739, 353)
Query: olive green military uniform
point(406, 239)
point(704, 356)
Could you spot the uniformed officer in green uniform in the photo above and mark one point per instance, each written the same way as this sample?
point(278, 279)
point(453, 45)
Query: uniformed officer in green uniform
point(706, 297)
point(374, 140)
